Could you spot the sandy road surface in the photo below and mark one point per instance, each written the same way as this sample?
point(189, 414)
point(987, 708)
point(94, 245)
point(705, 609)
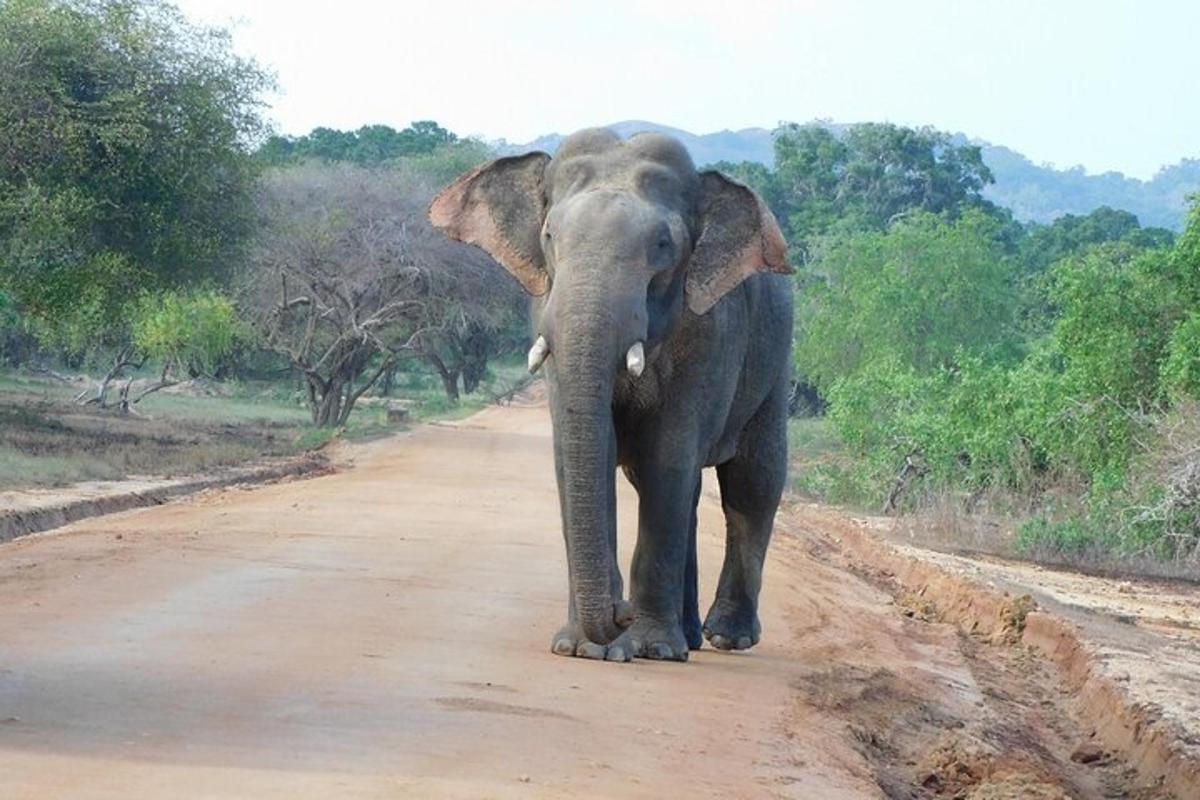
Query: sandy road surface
point(384, 632)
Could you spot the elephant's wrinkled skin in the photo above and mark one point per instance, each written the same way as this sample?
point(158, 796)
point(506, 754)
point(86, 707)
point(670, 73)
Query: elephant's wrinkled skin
point(625, 242)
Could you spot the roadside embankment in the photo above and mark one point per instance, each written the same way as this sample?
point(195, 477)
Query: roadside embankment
point(1127, 651)
point(26, 511)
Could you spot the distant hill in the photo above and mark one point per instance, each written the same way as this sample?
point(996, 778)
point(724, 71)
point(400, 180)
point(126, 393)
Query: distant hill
point(1042, 194)
point(1034, 193)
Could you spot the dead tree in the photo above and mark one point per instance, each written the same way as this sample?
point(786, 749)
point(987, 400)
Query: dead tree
point(348, 278)
point(124, 360)
point(912, 470)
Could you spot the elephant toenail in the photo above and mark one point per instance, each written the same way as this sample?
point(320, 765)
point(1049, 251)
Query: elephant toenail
point(564, 647)
point(744, 643)
point(590, 650)
point(660, 650)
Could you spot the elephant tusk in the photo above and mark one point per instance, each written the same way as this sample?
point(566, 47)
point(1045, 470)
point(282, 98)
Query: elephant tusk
point(537, 354)
point(635, 360)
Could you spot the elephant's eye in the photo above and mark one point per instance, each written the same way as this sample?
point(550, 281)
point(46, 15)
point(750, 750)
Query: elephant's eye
point(662, 252)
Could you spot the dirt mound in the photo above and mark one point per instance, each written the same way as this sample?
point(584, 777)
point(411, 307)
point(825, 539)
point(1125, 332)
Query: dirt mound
point(1009, 635)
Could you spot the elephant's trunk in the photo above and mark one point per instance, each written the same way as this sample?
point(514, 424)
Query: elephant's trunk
point(584, 359)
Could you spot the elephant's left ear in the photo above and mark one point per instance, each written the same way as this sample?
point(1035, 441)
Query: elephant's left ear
point(739, 237)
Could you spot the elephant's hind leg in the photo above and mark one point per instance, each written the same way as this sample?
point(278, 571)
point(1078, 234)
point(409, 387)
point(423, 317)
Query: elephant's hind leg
point(690, 615)
point(751, 486)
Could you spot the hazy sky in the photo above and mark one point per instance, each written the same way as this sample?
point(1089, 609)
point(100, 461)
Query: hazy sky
point(1108, 84)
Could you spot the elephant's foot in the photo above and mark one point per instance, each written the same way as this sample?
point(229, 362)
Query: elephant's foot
point(731, 625)
point(570, 641)
point(651, 638)
point(646, 638)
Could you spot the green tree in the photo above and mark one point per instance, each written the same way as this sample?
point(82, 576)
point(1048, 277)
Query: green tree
point(126, 161)
point(188, 334)
point(867, 176)
point(1071, 234)
point(370, 144)
point(1181, 367)
point(1116, 313)
point(915, 296)
point(1184, 261)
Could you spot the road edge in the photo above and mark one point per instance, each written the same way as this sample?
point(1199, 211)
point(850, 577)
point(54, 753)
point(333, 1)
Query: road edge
point(1158, 749)
point(15, 523)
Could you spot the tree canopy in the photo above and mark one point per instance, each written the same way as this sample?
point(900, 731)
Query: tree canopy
point(917, 296)
point(863, 177)
point(370, 144)
point(1071, 234)
point(125, 164)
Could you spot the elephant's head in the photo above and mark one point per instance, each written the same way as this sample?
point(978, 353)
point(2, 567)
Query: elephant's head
point(616, 238)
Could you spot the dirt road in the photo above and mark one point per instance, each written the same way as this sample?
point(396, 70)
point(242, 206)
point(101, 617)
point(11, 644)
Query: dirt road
point(384, 632)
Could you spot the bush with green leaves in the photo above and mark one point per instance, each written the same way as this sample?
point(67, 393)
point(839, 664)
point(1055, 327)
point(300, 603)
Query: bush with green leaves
point(910, 336)
point(1180, 372)
point(1075, 404)
point(914, 296)
point(126, 163)
point(190, 333)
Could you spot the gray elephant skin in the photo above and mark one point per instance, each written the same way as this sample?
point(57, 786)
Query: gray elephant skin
point(664, 327)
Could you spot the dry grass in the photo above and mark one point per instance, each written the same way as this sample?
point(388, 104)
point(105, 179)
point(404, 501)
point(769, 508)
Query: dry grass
point(1149, 528)
point(1169, 484)
point(990, 525)
point(48, 441)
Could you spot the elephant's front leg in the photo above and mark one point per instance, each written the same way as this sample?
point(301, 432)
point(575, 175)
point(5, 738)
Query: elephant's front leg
point(570, 640)
point(658, 576)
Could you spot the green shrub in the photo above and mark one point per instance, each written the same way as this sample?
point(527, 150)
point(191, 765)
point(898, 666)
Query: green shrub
point(192, 331)
point(907, 382)
point(1181, 367)
point(914, 296)
point(1074, 537)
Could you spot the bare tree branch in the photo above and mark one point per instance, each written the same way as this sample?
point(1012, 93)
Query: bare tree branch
point(349, 277)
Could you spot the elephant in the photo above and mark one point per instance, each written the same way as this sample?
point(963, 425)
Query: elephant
point(663, 320)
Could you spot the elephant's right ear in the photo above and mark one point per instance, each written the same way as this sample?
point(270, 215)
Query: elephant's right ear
point(500, 207)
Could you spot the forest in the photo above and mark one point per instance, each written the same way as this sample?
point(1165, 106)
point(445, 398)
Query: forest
point(154, 230)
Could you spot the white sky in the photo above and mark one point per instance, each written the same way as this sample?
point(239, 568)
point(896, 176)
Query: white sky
point(1109, 84)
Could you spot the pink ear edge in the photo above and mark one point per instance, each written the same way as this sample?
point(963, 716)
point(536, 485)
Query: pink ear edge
point(770, 253)
point(451, 202)
point(452, 213)
point(774, 248)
